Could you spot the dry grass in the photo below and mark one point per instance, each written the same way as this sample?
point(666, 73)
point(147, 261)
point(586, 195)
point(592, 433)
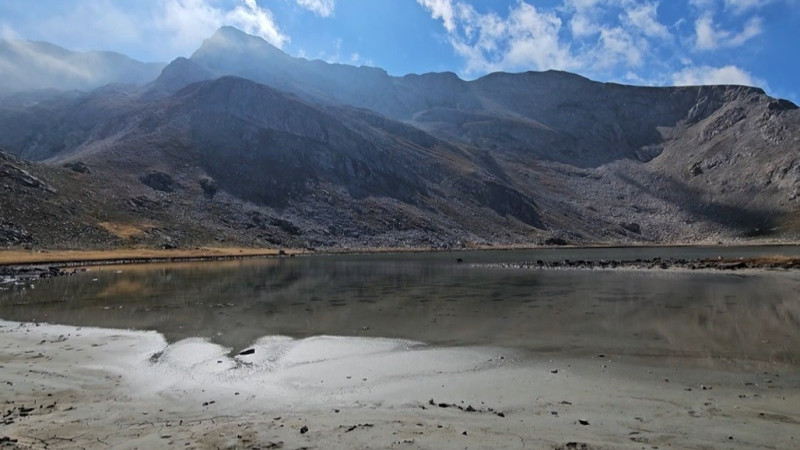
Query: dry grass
point(124, 230)
point(770, 260)
point(8, 257)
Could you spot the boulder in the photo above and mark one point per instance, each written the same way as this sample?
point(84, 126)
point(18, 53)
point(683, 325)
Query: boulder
point(159, 181)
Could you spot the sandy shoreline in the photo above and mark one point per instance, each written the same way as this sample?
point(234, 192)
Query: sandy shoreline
point(67, 387)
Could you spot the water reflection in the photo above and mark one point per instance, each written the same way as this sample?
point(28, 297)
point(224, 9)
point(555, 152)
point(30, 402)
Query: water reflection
point(433, 299)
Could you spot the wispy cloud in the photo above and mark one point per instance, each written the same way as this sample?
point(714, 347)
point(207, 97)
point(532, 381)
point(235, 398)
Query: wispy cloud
point(692, 76)
point(622, 40)
point(741, 6)
point(644, 17)
point(322, 8)
point(188, 22)
point(526, 38)
point(40, 64)
point(91, 24)
point(587, 35)
point(709, 37)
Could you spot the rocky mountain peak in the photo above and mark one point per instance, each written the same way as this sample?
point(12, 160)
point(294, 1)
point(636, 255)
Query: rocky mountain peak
point(232, 50)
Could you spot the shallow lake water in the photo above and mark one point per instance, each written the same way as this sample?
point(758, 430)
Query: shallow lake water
point(710, 317)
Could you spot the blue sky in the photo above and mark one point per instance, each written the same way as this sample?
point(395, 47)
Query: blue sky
point(649, 42)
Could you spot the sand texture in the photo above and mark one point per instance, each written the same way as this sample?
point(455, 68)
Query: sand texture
point(69, 387)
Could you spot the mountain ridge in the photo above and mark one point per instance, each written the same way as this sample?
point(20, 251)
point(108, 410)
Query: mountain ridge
point(246, 144)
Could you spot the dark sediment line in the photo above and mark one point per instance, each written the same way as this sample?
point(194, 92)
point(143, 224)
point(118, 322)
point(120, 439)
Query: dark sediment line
point(658, 264)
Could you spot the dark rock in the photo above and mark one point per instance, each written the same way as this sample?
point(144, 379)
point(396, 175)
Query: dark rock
point(144, 202)
point(209, 186)
point(695, 169)
point(781, 105)
point(304, 430)
point(249, 351)
point(159, 181)
point(11, 234)
point(23, 177)
point(286, 226)
point(78, 166)
point(583, 422)
point(573, 446)
point(649, 153)
point(633, 227)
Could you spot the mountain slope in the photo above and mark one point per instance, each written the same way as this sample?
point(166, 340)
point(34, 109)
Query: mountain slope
point(235, 156)
point(306, 153)
point(554, 116)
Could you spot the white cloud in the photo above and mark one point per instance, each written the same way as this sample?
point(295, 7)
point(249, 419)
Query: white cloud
point(706, 34)
point(441, 9)
point(45, 63)
point(582, 23)
point(619, 46)
point(645, 18)
point(322, 8)
point(92, 25)
point(6, 32)
point(699, 75)
point(740, 6)
point(188, 22)
point(526, 39)
point(708, 37)
point(703, 5)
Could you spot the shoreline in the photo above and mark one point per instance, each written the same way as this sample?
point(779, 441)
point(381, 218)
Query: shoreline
point(65, 387)
point(660, 264)
point(72, 257)
point(17, 266)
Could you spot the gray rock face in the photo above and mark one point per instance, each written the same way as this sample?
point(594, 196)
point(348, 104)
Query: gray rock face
point(12, 235)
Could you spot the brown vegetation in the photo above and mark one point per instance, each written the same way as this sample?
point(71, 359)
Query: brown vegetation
point(9, 257)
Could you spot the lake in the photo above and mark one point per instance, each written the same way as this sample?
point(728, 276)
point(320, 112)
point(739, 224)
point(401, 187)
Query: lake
point(714, 319)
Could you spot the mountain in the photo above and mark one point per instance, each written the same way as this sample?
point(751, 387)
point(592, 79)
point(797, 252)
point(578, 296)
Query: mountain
point(30, 66)
point(243, 143)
